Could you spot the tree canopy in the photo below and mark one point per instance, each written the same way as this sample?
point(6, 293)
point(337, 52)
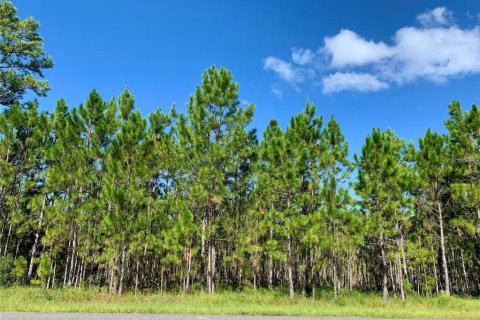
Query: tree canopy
point(22, 57)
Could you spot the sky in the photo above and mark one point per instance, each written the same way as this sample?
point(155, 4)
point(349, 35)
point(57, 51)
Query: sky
point(383, 64)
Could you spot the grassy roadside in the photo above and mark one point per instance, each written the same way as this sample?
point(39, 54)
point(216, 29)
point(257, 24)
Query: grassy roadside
point(244, 303)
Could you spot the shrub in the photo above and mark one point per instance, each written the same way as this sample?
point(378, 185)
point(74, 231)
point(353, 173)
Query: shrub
point(6, 266)
point(19, 268)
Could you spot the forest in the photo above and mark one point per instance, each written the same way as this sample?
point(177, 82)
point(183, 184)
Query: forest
point(98, 195)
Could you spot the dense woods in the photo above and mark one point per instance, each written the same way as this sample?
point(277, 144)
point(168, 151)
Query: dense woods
point(99, 196)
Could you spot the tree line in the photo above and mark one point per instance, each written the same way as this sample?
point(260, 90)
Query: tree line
point(100, 196)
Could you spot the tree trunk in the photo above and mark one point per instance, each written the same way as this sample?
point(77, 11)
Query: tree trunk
point(35, 242)
point(73, 258)
point(435, 273)
point(186, 286)
point(442, 250)
point(112, 276)
point(54, 273)
point(211, 268)
point(465, 279)
point(335, 278)
point(202, 253)
point(65, 274)
point(8, 238)
point(137, 267)
point(270, 265)
point(122, 270)
point(384, 268)
point(214, 267)
point(290, 269)
point(400, 278)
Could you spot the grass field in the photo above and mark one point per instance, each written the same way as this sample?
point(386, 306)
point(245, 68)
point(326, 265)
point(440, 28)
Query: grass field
point(244, 303)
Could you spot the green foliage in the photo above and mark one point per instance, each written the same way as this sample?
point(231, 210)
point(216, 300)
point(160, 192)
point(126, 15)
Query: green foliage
point(44, 267)
point(99, 195)
point(22, 57)
point(19, 269)
point(6, 265)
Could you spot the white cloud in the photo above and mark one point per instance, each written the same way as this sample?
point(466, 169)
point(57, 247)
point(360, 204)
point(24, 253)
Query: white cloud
point(439, 16)
point(292, 73)
point(302, 56)
point(278, 93)
point(351, 81)
point(282, 68)
point(434, 51)
point(349, 49)
point(433, 54)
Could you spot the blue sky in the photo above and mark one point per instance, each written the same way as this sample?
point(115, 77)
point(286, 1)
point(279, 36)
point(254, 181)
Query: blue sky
point(383, 64)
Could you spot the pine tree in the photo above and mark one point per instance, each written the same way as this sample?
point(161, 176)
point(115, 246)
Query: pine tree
point(464, 148)
point(383, 186)
point(341, 220)
point(22, 57)
point(123, 191)
point(304, 146)
point(435, 172)
point(206, 135)
point(100, 196)
point(268, 193)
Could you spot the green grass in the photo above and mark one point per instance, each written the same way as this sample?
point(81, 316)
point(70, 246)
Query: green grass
point(246, 302)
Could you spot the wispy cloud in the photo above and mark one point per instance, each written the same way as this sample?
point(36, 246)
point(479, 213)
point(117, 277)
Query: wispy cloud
point(292, 72)
point(277, 93)
point(302, 56)
point(282, 68)
point(436, 50)
point(352, 81)
point(439, 16)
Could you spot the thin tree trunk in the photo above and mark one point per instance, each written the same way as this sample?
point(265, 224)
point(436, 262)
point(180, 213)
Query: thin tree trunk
point(2, 197)
point(137, 267)
point(392, 279)
point(465, 279)
point(79, 271)
point(403, 256)
point(384, 268)
point(122, 271)
point(202, 252)
point(214, 267)
point(290, 269)
point(8, 239)
point(270, 264)
point(399, 262)
point(189, 268)
point(68, 258)
point(112, 278)
point(335, 278)
point(350, 270)
point(37, 235)
point(435, 273)
point(162, 272)
point(211, 268)
point(400, 278)
point(54, 273)
point(442, 249)
point(73, 259)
